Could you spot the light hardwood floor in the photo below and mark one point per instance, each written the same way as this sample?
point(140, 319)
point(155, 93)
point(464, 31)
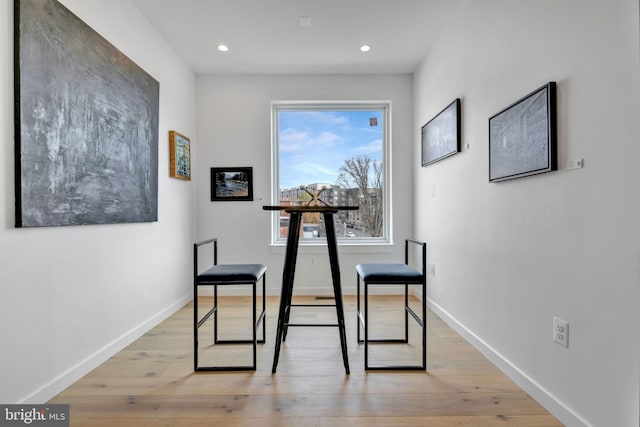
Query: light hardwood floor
point(152, 383)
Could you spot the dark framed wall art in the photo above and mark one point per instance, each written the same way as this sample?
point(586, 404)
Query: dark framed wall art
point(522, 137)
point(179, 156)
point(86, 120)
point(441, 135)
point(231, 184)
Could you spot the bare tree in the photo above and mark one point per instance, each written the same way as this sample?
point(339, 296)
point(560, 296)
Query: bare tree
point(366, 176)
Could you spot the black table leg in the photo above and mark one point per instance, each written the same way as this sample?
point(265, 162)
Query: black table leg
point(288, 274)
point(332, 244)
point(293, 238)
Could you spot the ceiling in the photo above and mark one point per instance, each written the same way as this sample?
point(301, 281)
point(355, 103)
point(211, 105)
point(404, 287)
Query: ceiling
point(266, 36)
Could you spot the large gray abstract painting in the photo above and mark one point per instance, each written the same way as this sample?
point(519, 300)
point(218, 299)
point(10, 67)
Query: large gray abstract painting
point(86, 124)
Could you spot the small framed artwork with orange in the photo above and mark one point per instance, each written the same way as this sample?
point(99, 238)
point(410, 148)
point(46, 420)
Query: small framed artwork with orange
point(179, 156)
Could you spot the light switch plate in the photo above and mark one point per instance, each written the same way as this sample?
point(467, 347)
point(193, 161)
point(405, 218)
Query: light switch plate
point(575, 164)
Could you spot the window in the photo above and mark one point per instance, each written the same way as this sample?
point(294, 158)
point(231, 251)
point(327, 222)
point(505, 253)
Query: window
point(339, 151)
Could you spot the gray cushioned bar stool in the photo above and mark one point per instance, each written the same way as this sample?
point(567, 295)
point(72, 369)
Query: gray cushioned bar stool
point(394, 274)
point(226, 275)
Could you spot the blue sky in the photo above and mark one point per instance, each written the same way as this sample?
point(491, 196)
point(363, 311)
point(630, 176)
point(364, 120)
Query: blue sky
point(314, 144)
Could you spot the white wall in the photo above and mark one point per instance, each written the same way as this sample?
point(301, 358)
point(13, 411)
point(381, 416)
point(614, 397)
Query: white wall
point(72, 296)
point(234, 128)
point(512, 255)
point(509, 256)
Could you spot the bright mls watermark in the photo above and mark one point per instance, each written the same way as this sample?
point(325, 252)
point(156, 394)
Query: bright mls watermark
point(34, 415)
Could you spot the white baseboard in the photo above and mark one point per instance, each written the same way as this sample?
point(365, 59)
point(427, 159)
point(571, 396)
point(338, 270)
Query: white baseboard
point(73, 374)
point(535, 390)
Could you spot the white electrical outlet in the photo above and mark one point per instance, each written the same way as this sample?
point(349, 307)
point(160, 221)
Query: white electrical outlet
point(312, 260)
point(561, 331)
point(432, 269)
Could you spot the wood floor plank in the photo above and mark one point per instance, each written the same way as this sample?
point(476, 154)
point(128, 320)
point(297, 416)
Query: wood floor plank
point(445, 421)
point(152, 383)
point(307, 405)
point(202, 422)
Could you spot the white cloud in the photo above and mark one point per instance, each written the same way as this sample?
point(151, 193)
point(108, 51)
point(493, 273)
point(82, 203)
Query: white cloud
point(372, 147)
point(292, 140)
point(314, 169)
point(292, 135)
point(322, 117)
point(325, 138)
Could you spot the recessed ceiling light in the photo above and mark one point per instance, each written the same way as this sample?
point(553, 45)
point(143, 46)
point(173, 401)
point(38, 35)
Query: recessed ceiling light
point(365, 48)
point(223, 47)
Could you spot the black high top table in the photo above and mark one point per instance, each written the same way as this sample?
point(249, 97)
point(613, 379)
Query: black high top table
point(291, 253)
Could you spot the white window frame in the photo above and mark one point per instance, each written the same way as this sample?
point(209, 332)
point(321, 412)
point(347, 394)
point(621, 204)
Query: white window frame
point(385, 106)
